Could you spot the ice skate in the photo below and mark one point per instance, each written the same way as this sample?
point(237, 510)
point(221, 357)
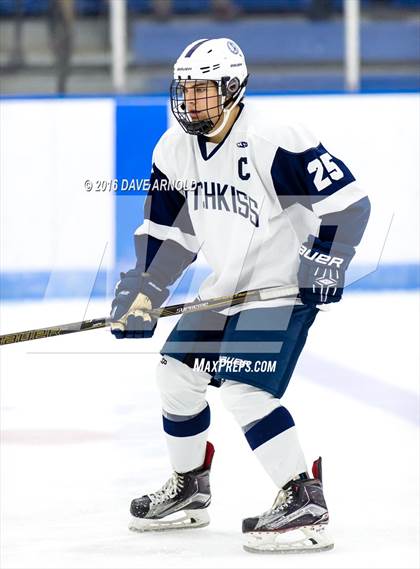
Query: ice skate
point(182, 501)
point(297, 521)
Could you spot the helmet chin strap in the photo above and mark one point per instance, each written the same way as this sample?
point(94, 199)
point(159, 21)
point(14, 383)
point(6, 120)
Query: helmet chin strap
point(213, 132)
point(226, 112)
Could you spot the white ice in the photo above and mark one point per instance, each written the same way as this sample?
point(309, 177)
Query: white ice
point(81, 436)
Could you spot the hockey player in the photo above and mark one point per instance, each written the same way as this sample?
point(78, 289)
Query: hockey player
point(267, 206)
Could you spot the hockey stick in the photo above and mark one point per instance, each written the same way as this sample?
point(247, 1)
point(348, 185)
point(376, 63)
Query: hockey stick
point(269, 293)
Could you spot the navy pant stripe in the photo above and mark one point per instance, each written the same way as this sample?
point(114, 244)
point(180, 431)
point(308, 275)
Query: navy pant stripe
point(190, 427)
point(268, 427)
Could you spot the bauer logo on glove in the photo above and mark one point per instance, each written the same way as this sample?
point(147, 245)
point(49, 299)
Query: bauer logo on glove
point(320, 257)
point(321, 274)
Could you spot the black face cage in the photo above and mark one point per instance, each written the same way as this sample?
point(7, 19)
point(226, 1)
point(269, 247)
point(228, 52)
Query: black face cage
point(188, 95)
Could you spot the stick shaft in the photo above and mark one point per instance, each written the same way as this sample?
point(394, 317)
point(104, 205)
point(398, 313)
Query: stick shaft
point(59, 330)
point(270, 293)
point(220, 302)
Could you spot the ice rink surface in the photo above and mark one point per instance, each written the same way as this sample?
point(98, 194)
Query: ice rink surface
point(81, 436)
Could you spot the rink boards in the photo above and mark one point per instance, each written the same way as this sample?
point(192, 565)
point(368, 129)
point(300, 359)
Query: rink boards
point(72, 193)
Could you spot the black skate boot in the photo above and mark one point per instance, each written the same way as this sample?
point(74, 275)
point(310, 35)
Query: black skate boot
point(296, 522)
point(180, 503)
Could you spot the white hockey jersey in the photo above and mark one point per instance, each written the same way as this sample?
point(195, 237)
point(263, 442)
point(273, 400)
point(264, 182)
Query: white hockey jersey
point(247, 204)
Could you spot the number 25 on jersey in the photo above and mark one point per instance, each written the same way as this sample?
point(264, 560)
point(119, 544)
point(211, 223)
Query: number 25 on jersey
point(325, 170)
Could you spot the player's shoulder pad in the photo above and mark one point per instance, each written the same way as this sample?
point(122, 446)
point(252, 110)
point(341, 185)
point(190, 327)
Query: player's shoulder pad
point(295, 138)
point(166, 149)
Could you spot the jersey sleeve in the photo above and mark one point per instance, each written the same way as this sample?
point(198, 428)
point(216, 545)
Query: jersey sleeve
point(165, 243)
point(322, 182)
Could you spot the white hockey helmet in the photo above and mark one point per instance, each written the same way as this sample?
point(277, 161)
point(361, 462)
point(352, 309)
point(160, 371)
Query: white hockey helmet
point(208, 61)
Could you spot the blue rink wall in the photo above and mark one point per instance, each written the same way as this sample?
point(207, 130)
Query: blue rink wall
point(63, 238)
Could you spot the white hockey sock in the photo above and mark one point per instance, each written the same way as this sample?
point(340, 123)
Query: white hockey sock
point(186, 414)
point(269, 429)
point(275, 443)
point(186, 437)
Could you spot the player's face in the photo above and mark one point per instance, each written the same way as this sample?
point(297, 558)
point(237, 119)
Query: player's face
point(202, 100)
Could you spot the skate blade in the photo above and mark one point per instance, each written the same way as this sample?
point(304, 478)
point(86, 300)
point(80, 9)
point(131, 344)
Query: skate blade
point(185, 519)
point(306, 539)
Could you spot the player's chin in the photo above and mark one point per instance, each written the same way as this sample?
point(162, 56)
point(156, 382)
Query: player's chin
point(197, 118)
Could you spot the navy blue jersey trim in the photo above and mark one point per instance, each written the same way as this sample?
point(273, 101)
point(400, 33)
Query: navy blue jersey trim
point(296, 182)
point(165, 205)
point(165, 260)
point(346, 226)
point(202, 139)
